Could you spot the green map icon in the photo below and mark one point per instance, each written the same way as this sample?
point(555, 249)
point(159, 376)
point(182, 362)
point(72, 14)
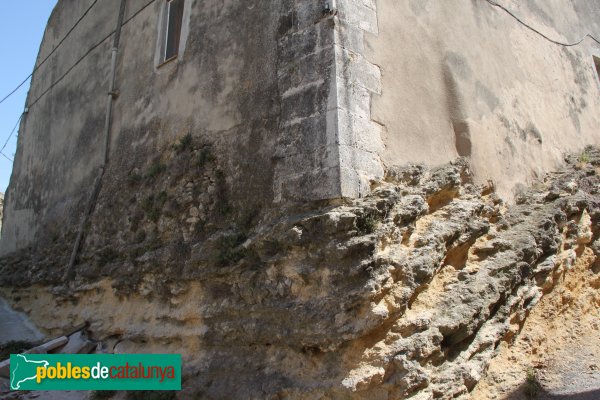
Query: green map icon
point(23, 369)
point(95, 371)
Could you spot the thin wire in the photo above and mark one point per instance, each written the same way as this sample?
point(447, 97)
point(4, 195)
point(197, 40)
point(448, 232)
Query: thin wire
point(7, 157)
point(69, 70)
point(11, 133)
point(15, 89)
point(51, 52)
point(56, 82)
point(493, 3)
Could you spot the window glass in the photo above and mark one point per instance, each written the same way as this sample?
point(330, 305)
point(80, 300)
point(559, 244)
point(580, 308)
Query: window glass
point(174, 21)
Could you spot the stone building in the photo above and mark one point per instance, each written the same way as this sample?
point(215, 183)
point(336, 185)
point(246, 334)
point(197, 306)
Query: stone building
point(1, 209)
point(305, 100)
point(231, 176)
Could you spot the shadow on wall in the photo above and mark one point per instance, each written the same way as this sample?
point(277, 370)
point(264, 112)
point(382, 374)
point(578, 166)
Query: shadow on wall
point(526, 392)
point(454, 105)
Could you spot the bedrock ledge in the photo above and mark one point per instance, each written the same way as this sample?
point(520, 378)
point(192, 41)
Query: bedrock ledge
point(405, 293)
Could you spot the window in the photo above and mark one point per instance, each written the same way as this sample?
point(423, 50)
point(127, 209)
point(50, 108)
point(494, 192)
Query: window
point(172, 29)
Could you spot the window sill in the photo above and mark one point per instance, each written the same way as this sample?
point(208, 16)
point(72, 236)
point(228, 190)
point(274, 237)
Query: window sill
point(167, 61)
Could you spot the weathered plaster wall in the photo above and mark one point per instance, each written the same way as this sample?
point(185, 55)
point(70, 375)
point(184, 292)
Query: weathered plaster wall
point(217, 90)
point(60, 140)
point(1, 210)
point(299, 105)
point(252, 80)
point(463, 78)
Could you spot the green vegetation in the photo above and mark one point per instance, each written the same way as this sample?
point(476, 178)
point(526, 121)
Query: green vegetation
point(200, 227)
point(584, 157)
point(185, 143)
point(272, 247)
point(532, 387)
point(153, 205)
point(134, 178)
point(136, 252)
point(155, 169)
point(227, 249)
point(135, 220)
point(150, 245)
point(222, 203)
point(248, 217)
point(140, 237)
point(205, 157)
point(366, 223)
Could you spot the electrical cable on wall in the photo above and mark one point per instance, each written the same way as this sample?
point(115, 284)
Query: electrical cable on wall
point(9, 136)
point(100, 42)
point(51, 52)
point(493, 3)
point(70, 68)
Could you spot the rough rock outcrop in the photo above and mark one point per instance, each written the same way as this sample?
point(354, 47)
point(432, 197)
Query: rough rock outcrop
point(406, 293)
point(557, 352)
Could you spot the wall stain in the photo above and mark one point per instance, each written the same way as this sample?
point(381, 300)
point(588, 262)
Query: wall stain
point(454, 104)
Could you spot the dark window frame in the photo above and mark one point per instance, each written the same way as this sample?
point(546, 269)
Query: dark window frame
point(172, 30)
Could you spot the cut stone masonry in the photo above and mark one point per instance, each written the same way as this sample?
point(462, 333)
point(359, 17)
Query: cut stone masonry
point(328, 145)
point(359, 138)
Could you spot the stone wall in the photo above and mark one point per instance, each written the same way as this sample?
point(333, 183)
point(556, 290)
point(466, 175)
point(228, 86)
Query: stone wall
point(1, 211)
point(306, 159)
point(359, 137)
point(226, 88)
point(464, 78)
point(303, 104)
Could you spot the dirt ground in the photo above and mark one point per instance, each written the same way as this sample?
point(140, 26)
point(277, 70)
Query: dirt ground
point(557, 353)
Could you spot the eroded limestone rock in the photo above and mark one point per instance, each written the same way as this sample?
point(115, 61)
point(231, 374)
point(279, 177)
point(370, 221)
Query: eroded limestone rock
point(407, 292)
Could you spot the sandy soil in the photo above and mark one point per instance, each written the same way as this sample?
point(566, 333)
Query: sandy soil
point(558, 347)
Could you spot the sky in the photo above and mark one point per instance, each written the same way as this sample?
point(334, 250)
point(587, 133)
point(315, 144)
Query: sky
point(21, 32)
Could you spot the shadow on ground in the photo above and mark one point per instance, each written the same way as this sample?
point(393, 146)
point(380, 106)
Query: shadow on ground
point(542, 394)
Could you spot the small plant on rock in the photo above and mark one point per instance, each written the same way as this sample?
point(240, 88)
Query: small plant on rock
point(248, 217)
point(185, 143)
point(366, 223)
point(155, 169)
point(227, 249)
point(205, 157)
point(222, 202)
point(273, 247)
point(107, 255)
point(134, 178)
point(532, 386)
point(153, 205)
point(13, 347)
point(584, 157)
